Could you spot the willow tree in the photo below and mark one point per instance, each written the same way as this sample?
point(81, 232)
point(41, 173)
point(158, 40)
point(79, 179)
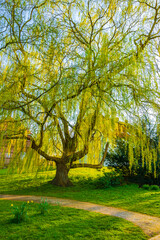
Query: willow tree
point(87, 63)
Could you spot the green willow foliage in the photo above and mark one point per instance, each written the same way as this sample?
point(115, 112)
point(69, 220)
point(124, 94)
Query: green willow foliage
point(70, 69)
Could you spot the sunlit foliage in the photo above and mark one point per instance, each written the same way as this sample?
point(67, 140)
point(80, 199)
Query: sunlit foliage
point(70, 69)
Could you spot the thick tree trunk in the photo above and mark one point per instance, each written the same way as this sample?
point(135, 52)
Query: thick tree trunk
point(61, 178)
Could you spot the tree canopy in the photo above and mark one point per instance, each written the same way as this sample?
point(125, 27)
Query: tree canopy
point(70, 69)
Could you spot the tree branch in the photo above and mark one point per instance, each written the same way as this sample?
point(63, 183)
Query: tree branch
point(97, 166)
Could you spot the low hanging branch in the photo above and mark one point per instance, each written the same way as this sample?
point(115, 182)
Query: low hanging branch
point(97, 166)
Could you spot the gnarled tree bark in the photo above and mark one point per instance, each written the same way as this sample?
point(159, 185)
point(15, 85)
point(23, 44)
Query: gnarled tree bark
point(61, 178)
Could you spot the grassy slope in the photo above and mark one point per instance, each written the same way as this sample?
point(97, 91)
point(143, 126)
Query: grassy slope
point(129, 197)
point(65, 223)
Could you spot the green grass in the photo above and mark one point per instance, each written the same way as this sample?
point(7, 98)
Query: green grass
point(65, 223)
point(129, 197)
point(3, 171)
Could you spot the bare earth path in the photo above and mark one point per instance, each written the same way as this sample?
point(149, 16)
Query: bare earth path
point(150, 225)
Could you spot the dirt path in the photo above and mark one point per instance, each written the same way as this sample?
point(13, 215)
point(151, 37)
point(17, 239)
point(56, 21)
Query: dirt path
point(155, 238)
point(150, 225)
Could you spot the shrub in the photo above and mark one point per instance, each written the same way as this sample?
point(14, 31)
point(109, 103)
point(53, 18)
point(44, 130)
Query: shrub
point(146, 186)
point(109, 179)
point(154, 187)
point(118, 157)
point(43, 206)
point(20, 213)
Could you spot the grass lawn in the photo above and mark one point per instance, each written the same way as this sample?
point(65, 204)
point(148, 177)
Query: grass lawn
point(129, 197)
point(64, 223)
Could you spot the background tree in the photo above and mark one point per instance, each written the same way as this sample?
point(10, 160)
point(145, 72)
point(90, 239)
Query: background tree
point(139, 171)
point(87, 63)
